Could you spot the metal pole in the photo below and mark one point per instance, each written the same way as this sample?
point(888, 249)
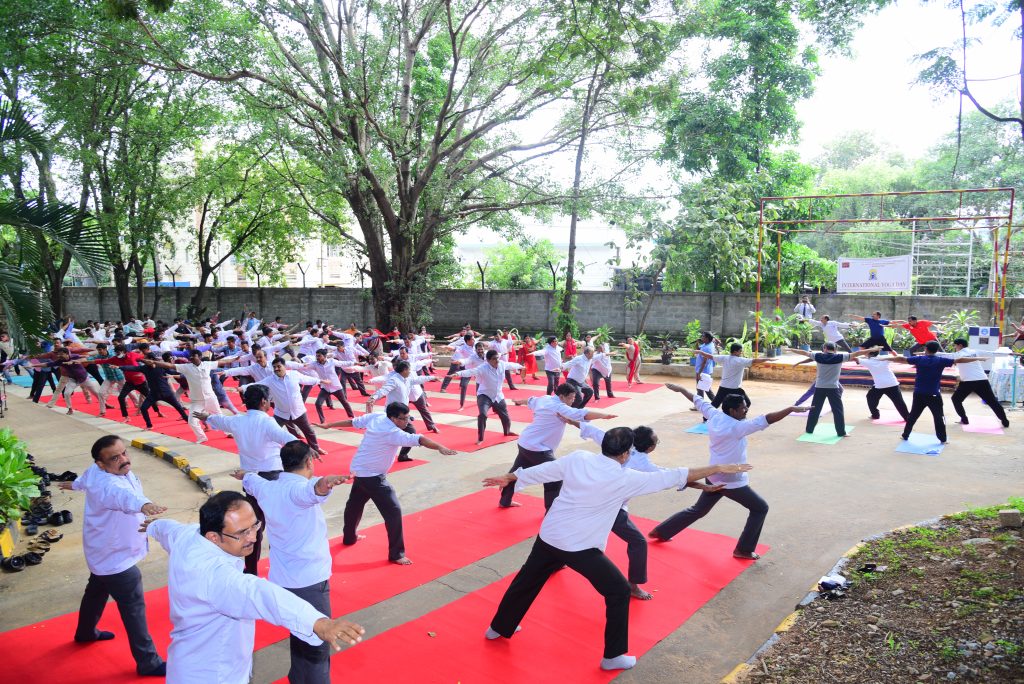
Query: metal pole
point(970, 259)
point(757, 301)
point(778, 271)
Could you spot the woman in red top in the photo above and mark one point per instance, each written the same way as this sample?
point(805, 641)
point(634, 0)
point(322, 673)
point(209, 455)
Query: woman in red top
point(570, 346)
point(527, 359)
point(633, 359)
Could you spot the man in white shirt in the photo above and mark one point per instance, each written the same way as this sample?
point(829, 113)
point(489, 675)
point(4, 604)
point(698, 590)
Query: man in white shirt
point(728, 429)
point(214, 606)
point(883, 384)
point(832, 331)
point(805, 308)
point(733, 364)
point(289, 408)
point(328, 373)
point(469, 358)
point(300, 555)
point(575, 532)
point(461, 351)
point(489, 378)
point(601, 369)
point(972, 381)
point(552, 354)
point(385, 435)
point(503, 345)
point(201, 396)
point(539, 440)
point(398, 388)
point(259, 440)
point(579, 369)
point(114, 508)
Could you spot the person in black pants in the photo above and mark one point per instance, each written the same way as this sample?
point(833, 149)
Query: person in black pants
point(159, 388)
point(876, 331)
point(927, 387)
point(575, 531)
point(973, 381)
point(728, 429)
point(115, 506)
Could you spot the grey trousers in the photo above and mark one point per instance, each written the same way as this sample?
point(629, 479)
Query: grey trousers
point(126, 589)
point(835, 401)
point(311, 664)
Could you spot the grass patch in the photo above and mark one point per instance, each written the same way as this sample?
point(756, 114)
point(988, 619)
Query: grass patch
point(989, 512)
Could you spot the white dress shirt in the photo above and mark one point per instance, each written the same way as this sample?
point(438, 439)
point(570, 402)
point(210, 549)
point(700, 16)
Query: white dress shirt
point(552, 357)
point(546, 430)
point(398, 388)
point(638, 460)
point(732, 369)
point(602, 362)
point(881, 372)
point(489, 379)
point(579, 368)
point(593, 489)
point(253, 370)
point(832, 331)
point(381, 443)
point(285, 393)
point(113, 512)
point(805, 309)
point(728, 441)
point(326, 373)
point(198, 377)
point(969, 372)
point(214, 606)
point(300, 554)
point(258, 436)
point(461, 354)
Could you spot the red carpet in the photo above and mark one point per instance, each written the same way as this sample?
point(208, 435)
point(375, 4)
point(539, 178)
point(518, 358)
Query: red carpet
point(519, 414)
point(561, 640)
point(464, 438)
point(474, 528)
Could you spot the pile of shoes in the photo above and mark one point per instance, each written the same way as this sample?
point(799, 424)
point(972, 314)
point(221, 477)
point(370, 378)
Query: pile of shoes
point(33, 555)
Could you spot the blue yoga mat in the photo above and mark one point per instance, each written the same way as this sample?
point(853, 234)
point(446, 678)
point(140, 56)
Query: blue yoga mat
point(21, 381)
point(919, 443)
point(699, 429)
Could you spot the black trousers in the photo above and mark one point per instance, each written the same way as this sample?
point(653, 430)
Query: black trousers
point(325, 396)
point(595, 382)
point(583, 393)
point(636, 546)
point(452, 370)
point(39, 380)
point(168, 398)
point(552, 380)
point(873, 341)
point(723, 392)
point(125, 588)
point(508, 379)
point(484, 404)
point(403, 453)
point(311, 664)
point(127, 389)
point(253, 559)
point(984, 391)
point(421, 406)
point(932, 402)
point(835, 402)
point(894, 394)
point(920, 346)
point(524, 459)
point(355, 381)
point(378, 490)
point(602, 574)
point(744, 496)
point(297, 425)
point(94, 371)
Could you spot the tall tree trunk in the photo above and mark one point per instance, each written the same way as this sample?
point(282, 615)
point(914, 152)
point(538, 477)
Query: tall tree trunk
point(155, 254)
point(122, 279)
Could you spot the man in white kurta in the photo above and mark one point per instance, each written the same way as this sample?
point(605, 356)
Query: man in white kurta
point(214, 605)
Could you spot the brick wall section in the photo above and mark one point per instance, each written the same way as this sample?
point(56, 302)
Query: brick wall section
point(528, 310)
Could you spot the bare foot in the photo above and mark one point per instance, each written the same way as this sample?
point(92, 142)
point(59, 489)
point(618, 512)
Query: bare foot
point(511, 434)
point(434, 430)
point(71, 411)
point(479, 442)
point(637, 592)
point(514, 504)
point(126, 419)
point(359, 537)
point(655, 536)
point(402, 561)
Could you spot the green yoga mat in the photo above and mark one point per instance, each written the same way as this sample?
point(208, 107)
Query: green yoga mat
point(824, 434)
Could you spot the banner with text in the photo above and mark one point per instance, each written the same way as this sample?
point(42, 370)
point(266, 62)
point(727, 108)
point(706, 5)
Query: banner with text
point(882, 274)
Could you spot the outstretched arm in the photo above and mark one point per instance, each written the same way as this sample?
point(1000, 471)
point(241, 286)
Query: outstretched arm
point(337, 423)
point(779, 415)
point(801, 352)
point(431, 444)
point(679, 388)
point(864, 352)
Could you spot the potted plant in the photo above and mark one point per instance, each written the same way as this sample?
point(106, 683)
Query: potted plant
point(956, 325)
point(18, 484)
point(668, 348)
point(856, 334)
point(800, 331)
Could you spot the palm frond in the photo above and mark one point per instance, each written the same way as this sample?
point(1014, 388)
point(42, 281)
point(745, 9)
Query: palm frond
point(26, 307)
point(73, 230)
point(15, 126)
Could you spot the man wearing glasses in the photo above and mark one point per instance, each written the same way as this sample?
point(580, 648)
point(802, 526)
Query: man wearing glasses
point(300, 555)
point(214, 605)
point(114, 508)
point(385, 435)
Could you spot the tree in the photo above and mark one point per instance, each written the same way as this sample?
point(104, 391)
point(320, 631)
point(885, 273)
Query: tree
point(520, 267)
point(416, 124)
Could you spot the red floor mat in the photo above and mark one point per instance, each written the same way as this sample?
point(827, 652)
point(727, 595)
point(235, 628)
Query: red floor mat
point(474, 528)
point(561, 639)
point(519, 414)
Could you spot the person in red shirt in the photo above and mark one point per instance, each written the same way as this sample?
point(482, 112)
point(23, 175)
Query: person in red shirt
point(922, 332)
point(134, 381)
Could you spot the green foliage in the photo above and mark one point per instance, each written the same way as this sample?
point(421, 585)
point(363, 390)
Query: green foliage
point(956, 325)
point(565, 321)
point(516, 266)
point(18, 484)
point(691, 336)
point(743, 340)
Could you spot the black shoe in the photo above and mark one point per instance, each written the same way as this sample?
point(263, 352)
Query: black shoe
point(159, 671)
point(56, 519)
point(875, 416)
point(67, 517)
point(13, 564)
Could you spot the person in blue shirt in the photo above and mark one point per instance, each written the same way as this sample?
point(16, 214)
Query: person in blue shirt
point(927, 390)
point(706, 364)
point(876, 331)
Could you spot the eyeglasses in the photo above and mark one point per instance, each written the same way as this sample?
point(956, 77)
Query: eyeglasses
point(247, 532)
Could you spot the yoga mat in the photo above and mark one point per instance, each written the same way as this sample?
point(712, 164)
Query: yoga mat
point(21, 381)
point(562, 635)
point(474, 528)
point(464, 438)
point(824, 434)
point(888, 417)
point(987, 425)
point(920, 443)
point(698, 429)
point(519, 414)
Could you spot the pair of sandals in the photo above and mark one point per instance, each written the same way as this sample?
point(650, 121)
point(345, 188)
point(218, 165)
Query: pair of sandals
point(34, 556)
point(66, 476)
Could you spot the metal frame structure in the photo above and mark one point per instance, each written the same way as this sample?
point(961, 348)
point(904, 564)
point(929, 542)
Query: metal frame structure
point(993, 222)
